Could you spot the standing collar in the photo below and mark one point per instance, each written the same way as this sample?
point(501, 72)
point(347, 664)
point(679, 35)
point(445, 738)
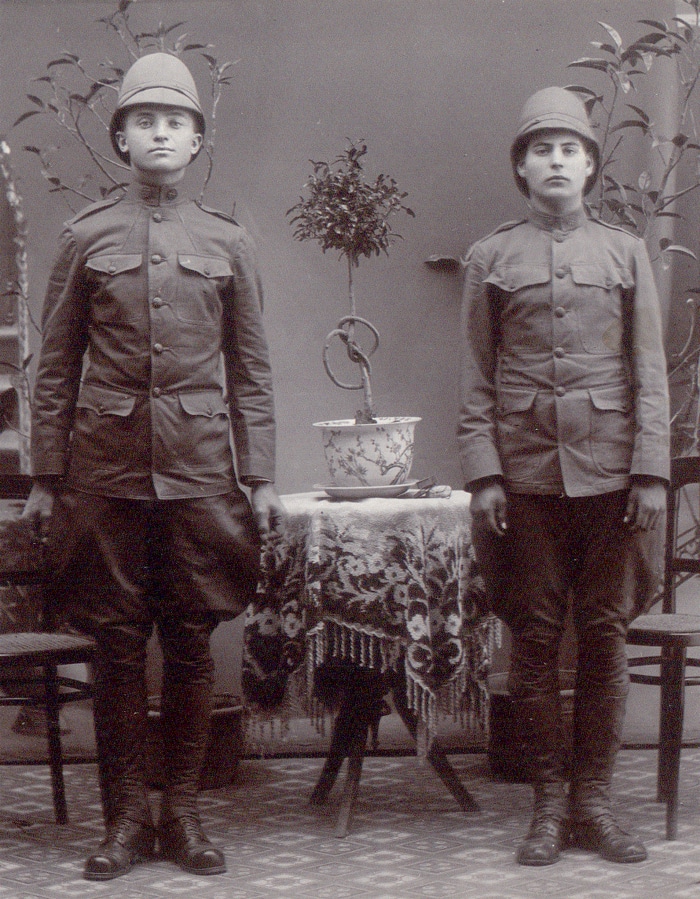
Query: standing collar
point(154, 194)
point(547, 222)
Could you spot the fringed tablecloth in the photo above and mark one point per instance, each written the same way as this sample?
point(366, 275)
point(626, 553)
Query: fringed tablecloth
point(373, 582)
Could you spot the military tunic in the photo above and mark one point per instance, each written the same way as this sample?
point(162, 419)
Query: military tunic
point(564, 387)
point(153, 346)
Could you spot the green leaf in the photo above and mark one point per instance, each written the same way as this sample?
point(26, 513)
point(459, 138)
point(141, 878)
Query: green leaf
point(599, 65)
point(613, 34)
point(26, 115)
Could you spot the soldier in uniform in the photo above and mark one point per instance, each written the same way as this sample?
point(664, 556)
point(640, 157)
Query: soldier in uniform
point(153, 356)
point(564, 440)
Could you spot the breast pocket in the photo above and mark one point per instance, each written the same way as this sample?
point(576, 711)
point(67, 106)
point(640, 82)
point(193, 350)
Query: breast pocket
point(599, 318)
point(200, 280)
point(113, 278)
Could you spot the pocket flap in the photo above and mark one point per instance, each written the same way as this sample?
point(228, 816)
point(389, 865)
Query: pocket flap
point(105, 402)
point(204, 402)
point(516, 400)
point(209, 266)
point(114, 263)
point(596, 275)
point(515, 277)
point(610, 399)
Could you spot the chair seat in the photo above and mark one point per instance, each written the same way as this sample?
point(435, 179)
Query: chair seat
point(43, 648)
point(671, 628)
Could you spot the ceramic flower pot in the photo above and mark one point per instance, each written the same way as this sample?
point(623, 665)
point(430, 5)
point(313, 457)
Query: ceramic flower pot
point(368, 455)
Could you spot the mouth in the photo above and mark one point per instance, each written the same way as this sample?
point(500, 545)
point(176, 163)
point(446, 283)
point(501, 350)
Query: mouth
point(557, 179)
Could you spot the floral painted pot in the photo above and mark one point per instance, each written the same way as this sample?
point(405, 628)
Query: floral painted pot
point(368, 455)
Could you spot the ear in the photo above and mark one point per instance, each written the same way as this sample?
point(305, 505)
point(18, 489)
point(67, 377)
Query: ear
point(590, 164)
point(196, 143)
point(122, 142)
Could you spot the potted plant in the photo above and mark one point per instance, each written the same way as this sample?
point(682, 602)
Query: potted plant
point(345, 211)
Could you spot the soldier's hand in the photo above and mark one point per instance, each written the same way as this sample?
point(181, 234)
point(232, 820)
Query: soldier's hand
point(270, 514)
point(645, 505)
point(489, 508)
point(39, 507)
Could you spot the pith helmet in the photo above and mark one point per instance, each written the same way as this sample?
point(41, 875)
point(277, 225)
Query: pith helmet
point(554, 108)
point(157, 78)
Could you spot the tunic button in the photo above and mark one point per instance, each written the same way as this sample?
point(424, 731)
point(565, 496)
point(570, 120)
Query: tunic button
point(559, 236)
point(157, 217)
point(559, 352)
point(112, 269)
point(157, 391)
point(158, 348)
point(207, 272)
point(171, 194)
point(560, 391)
point(156, 259)
point(560, 312)
point(560, 272)
point(156, 302)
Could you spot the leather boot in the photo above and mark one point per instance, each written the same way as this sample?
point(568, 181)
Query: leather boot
point(186, 713)
point(120, 712)
point(127, 842)
point(598, 724)
point(541, 732)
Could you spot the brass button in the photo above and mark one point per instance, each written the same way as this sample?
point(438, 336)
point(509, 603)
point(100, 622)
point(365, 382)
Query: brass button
point(112, 269)
point(559, 352)
point(156, 302)
point(158, 348)
point(156, 259)
point(560, 272)
point(560, 391)
point(560, 312)
point(156, 391)
point(157, 217)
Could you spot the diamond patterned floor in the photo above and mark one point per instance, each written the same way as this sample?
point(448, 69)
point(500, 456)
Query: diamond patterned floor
point(408, 841)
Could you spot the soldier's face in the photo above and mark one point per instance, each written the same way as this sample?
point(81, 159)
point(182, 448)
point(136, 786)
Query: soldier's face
point(160, 141)
point(556, 167)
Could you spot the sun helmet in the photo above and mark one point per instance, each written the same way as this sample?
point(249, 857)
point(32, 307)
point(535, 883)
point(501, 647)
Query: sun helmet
point(554, 108)
point(160, 79)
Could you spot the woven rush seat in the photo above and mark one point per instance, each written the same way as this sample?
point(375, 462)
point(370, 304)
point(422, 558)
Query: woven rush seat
point(672, 632)
point(30, 659)
point(63, 649)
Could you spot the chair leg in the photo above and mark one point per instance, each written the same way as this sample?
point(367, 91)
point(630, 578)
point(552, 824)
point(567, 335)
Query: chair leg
point(53, 728)
point(671, 733)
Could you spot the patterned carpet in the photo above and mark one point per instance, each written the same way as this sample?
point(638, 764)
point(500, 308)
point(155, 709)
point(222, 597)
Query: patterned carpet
point(408, 840)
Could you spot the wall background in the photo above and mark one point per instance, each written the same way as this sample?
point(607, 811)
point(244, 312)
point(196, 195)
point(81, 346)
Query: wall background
point(433, 86)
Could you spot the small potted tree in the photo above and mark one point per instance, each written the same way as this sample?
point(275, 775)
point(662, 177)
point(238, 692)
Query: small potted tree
point(345, 211)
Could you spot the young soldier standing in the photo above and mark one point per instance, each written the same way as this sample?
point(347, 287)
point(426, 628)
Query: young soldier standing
point(565, 448)
point(153, 350)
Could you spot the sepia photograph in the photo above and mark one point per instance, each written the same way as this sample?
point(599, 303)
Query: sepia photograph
point(350, 449)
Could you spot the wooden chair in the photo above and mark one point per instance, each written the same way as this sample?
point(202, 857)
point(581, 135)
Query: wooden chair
point(29, 660)
point(673, 633)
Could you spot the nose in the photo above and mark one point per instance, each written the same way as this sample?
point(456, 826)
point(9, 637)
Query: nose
point(557, 157)
point(159, 130)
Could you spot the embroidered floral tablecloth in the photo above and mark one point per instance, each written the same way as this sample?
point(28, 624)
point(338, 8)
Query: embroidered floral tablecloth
point(377, 582)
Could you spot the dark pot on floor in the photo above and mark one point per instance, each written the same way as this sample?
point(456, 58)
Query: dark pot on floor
point(226, 740)
point(506, 751)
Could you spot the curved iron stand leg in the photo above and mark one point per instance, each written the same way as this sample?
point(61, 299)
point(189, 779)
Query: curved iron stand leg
point(436, 754)
point(361, 709)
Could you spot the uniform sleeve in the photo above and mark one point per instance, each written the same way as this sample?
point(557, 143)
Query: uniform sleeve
point(651, 455)
point(476, 432)
point(248, 373)
point(63, 345)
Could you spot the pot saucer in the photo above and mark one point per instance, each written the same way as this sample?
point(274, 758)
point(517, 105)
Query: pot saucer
point(386, 490)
